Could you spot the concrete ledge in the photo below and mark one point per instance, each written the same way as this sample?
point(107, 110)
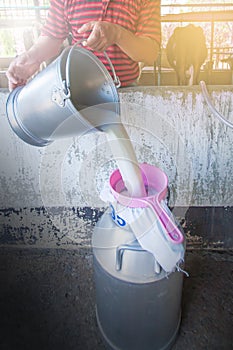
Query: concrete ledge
point(71, 228)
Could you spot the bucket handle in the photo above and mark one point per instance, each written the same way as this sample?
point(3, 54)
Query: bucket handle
point(116, 80)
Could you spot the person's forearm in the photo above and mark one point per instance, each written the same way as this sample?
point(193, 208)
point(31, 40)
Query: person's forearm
point(45, 48)
point(139, 48)
point(103, 34)
point(28, 63)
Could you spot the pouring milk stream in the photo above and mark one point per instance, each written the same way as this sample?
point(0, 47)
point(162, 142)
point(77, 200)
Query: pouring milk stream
point(125, 157)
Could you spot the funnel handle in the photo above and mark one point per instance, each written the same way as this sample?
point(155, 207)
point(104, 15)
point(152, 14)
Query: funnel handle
point(172, 230)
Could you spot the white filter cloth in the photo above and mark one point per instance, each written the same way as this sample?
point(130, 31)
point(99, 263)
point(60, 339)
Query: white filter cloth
point(148, 230)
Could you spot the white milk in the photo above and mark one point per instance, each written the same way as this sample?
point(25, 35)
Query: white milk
point(126, 160)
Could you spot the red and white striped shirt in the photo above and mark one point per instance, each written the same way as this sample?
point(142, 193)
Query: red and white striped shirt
point(141, 17)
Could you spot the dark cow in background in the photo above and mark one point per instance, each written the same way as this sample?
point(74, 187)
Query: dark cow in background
point(186, 51)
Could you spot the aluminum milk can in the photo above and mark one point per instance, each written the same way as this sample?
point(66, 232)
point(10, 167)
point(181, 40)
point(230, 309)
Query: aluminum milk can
point(138, 303)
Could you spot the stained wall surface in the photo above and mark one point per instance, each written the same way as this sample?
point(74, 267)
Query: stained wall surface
point(51, 196)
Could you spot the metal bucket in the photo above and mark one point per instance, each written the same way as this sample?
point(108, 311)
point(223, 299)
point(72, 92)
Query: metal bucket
point(74, 95)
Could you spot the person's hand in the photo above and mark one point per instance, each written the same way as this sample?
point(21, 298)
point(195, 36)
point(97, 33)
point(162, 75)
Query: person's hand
point(20, 70)
point(103, 34)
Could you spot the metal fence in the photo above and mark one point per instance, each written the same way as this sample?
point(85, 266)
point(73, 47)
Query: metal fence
point(15, 13)
point(20, 16)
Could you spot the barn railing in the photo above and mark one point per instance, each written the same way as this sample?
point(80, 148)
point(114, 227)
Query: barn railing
point(20, 16)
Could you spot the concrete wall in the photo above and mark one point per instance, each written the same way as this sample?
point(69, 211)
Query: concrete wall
point(50, 196)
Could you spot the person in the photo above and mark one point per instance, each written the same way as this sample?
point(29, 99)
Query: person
point(128, 30)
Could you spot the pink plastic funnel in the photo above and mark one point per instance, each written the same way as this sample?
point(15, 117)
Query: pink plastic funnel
point(154, 178)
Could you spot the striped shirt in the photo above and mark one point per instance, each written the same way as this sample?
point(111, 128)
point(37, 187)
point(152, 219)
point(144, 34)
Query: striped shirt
point(141, 17)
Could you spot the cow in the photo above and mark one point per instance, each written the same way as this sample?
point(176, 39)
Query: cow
point(186, 50)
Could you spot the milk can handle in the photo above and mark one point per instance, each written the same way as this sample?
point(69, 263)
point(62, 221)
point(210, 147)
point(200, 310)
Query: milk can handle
point(120, 250)
point(119, 256)
point(116, 80)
